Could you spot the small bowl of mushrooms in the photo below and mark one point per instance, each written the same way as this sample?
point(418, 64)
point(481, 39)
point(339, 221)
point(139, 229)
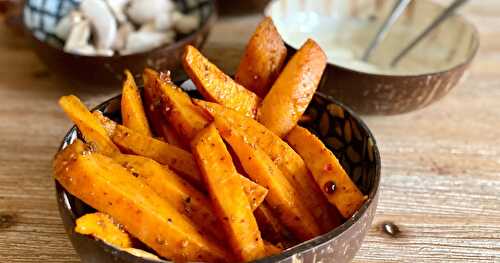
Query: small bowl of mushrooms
point(94, 41)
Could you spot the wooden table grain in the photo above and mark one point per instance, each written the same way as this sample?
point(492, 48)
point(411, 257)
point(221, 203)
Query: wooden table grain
point(440, 175)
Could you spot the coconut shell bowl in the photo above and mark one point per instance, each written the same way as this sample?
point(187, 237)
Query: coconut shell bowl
point(344, 29)
point(41, 18)
point(335, 124)
point(232, 7)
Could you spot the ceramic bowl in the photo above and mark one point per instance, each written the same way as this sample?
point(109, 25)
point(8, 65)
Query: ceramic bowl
point(40, 18)
point(336, 125)
point(345, 28)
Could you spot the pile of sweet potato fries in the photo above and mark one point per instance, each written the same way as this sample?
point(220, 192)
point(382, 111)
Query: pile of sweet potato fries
point(229, 178)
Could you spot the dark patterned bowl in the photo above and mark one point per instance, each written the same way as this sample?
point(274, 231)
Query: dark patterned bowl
point(344, 29)
point(336, 125)
point(40, 18)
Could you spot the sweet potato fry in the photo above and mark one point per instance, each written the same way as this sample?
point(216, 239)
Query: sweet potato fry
point(132, 110)
point(293, 90)
point(263, 59)
point(179, 160)
point(179, 110)
point(184, 197)
point(216, 86)
point(171, 136)
point(89, 126)
point(270, 226)
point(130, 141)
point(271, 249)
point(256, 193)
point(108, 187)
point(152, 102)
point(187, 199)
point(228, 198)
point(334, 182)
point(282, 197)
point(287, 160)
point(103, 226)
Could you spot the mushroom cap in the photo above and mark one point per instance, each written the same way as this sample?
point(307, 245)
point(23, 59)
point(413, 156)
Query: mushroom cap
point(144, 11)
point(102, 20)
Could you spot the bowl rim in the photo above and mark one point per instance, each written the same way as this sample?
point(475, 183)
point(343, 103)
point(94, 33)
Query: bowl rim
point(208, 23)
point(62, 194)
point(469, 58)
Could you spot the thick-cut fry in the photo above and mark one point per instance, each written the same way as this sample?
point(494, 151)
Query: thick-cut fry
point(153, 109)
point(177, 107)
point(228, 197)
point(256, 193)
point(108, 187)
point(171, 136)
point(179, 160)
point(282, 197)
point(103, 226)
point(132, 110)
point(130, 141)
point(152, 101)
point(271, 249)
point(293, 90)
point(334, 182)
point(263, 59)
point(184, 197)
point(216, 86)
point(287, 160)
point(270, 226)
point(89, 126)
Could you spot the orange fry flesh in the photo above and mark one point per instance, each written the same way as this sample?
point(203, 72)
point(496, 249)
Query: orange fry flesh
point(228, 198)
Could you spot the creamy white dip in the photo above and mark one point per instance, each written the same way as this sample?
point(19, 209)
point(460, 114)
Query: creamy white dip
point(345, 40)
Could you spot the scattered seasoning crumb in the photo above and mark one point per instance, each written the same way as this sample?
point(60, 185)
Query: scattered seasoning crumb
point(329, 187)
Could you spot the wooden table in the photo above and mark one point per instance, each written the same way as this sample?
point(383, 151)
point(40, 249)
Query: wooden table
point(440, 176)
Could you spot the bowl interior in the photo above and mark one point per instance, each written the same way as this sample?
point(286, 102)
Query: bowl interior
point(41, 17)
point(338, 127)
point(345, 28)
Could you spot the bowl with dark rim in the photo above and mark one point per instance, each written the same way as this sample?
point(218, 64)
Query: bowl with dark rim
point(109, 69)
point(231, 7)
point(335, 124)
point(344, 30)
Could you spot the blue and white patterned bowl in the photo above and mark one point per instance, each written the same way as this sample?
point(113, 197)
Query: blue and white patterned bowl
point(41, 17)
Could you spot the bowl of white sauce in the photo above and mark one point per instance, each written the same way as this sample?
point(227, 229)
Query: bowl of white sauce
point(345, 28)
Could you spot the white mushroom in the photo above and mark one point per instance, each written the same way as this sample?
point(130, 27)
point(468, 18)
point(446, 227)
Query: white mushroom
point(163, 21)
point(104, 52)
point(78, 39)
point(63, 28)
point(148, 27)
point(110, 22)
point(141, 41)
point(87, 50)
point(121, 36)
point(102, 20)
point(118, 9)
point(143, 11)
point(185, 23)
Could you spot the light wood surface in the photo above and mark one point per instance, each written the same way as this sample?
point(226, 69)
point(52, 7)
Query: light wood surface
point(441, 165)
